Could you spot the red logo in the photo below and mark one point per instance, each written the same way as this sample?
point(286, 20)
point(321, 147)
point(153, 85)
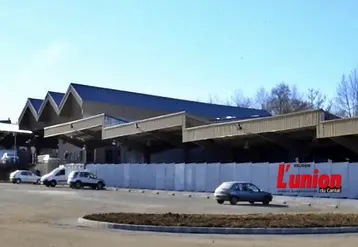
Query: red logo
point(323, 182)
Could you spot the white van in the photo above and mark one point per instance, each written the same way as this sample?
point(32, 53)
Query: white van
point(56, 177)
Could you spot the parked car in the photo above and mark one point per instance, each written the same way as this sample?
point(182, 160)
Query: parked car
point(24, 176)
point(10, 158)
point(55, 177)
point(80, 179)
point(235, 191)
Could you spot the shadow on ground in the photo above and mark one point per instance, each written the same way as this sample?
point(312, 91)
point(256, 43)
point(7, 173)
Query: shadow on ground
point(259, 205)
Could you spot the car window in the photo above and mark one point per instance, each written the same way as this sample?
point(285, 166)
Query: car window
point(225, 186)
point(61, 173)
point(24, 173)
point(253, 188)
point(91, 175)
point(84, 174)
point(237, 187)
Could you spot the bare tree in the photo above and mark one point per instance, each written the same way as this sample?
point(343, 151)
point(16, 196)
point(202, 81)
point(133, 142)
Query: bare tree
point(284, 99)
point(297, 101)
point(329, 106)
point(262, 99)
point(346, 101)
point(238, 99)
point(316, 98)
point(214, 99)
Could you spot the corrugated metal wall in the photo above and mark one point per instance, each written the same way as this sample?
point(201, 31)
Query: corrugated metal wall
point(206, 177)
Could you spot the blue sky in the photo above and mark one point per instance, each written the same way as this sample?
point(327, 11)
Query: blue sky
point(180, 48)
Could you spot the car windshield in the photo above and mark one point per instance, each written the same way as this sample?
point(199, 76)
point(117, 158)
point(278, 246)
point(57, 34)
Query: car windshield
point(55, 171)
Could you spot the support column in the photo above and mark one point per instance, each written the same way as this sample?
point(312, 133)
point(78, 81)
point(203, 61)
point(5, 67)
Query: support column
point(95, 155)
point(84, 154)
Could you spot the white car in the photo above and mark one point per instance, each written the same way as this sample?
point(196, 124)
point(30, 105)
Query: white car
point(24, 176)
point(80, 179)
point(9, 158)
point(55, 177)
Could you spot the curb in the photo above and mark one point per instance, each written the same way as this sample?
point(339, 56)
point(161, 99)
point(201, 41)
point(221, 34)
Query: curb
point(216, 230)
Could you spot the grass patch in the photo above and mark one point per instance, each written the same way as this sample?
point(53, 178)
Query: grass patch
point(287, 220)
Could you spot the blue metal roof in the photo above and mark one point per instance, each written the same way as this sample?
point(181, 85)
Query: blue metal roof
point(57, 97)
point(118, 97)
point(36, 103)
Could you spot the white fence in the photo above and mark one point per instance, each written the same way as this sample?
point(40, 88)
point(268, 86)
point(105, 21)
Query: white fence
point(206, 177)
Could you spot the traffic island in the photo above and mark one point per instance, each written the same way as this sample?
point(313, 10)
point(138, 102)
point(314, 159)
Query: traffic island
point(300, 223)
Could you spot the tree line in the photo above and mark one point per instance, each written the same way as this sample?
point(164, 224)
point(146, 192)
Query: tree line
point(285, 98)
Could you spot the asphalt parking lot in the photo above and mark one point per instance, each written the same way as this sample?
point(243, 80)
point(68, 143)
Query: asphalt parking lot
point(33, 215)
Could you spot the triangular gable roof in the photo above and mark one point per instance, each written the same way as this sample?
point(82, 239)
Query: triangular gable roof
point(119, 97)
point(36, 103)
point(56, 100)
point(70, 91)
point(33, 105)
point(52, 98)
point(57, 97)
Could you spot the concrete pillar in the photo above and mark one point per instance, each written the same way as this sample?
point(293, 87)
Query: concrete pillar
point(84, 154)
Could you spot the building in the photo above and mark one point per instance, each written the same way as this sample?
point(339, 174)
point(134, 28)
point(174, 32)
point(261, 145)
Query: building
point(85, 110)
point(109, 126)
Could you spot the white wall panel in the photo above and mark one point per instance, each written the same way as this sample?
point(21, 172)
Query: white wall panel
point(242, 172)
point(169, 176)
point(259, 175)
point(133, 176)
point(200, 177)
point(179, 180)
point(227, 172)
point(150, 174)
point(159, 176)
point(272, 178)
point(189, 177)
point(126, 175)
point(140, 181)
point(212, 174)
point(353, 180)
point(119, 174)
point(342, 169)
point(106, 171)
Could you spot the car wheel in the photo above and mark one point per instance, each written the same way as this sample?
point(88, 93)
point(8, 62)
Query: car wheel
point(234, 200)
point(53, 183)
point(100, 185)
point(18, 181)
point(252, 202)
point(220, 201)
point(78, 185)
point(266, 201)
